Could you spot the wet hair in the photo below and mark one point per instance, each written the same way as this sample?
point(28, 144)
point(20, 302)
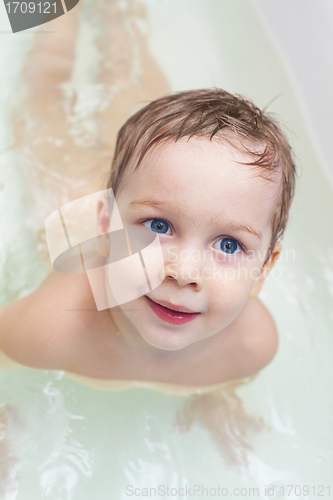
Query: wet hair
point(212, 113)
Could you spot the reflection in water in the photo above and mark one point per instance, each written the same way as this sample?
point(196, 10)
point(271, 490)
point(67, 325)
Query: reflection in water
point(11, 427)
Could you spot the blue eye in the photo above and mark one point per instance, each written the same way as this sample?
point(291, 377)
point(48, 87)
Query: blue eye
point(228, 245)
point(157, 225)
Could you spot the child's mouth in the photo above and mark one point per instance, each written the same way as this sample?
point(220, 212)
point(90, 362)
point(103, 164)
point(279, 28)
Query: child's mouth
point(170, 316)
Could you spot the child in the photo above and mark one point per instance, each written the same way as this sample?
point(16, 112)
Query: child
point(214, 177)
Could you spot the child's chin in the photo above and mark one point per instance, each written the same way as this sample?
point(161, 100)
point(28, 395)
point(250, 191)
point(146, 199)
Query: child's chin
point(165, 341)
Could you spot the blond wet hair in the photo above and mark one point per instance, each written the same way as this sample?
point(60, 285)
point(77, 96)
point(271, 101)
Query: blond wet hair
point(212, 113)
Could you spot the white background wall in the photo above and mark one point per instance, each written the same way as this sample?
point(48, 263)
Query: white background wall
point(303, 33)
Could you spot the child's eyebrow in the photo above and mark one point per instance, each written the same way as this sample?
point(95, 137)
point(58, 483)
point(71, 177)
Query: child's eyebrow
point(223, 222)
point(156, 204)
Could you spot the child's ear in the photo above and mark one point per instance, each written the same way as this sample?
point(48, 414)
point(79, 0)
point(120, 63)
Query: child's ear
point(103, 219)
point(266, 269)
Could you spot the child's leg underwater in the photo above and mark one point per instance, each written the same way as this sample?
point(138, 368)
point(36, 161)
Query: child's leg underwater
point(229, 424)
point(40, 124)
point(65, 147)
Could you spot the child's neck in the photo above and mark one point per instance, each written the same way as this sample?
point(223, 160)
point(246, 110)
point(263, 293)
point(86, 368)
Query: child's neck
point(128, 338)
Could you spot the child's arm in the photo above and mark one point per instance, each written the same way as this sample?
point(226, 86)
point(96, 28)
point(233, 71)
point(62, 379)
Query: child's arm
point(39, 330)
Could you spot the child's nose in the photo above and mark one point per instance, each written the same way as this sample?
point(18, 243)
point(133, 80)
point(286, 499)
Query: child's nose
point(185, 271)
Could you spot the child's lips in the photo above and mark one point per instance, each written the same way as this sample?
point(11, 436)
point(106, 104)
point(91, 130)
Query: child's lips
point(174, 307)
point(172, 313)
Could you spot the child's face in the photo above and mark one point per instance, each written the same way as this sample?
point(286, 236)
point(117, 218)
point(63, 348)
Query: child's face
point(212, 215)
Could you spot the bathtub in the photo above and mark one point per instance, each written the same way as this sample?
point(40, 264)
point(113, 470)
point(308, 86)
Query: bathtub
point(68, 441)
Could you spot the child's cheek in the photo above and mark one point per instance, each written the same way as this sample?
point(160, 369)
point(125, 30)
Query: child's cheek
point(232, 271)
point(131, 277)
point(127, 280)
point(230, 287)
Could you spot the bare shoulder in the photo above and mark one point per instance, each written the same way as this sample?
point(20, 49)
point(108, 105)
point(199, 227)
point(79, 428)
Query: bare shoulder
point(259, 334)
point(257, 338)
point(38, 329)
